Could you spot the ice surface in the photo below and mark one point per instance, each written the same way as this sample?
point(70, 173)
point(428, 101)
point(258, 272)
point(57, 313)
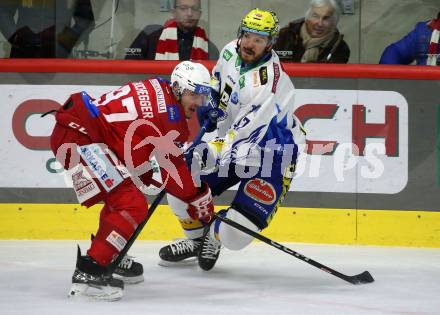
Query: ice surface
point(35, 279)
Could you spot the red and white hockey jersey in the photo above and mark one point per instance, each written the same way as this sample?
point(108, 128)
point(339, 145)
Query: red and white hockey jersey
point(136, 122)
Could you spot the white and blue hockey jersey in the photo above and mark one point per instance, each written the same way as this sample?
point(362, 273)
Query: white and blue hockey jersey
point(256, 107)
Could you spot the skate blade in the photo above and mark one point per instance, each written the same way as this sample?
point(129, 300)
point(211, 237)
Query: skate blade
point(129, 280)
point(107, 293)
point(183, 263)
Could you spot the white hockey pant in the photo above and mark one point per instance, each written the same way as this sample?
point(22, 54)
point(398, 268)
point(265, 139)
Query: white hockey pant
point(230, 237)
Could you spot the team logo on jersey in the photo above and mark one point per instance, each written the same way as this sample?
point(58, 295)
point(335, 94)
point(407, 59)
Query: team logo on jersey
point(276, 73)
point(241, 82)
point(237, 62)
point(100, 166)
point(263, 75)
point(79, 181)
point(227, 55)
point(261, 191)
point(225, 97)
point(173, 113)
point(83, 184)
point(255, 78)
point(160, 97)
point(116, 240)
point(234, 98)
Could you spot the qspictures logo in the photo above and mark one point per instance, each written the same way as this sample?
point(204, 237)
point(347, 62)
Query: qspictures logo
point(357, 141)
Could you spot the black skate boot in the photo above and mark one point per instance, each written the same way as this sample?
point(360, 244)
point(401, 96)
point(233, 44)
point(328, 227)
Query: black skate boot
point(209, 251)
point(180, 252)
point(129, 271)
point(90, 280)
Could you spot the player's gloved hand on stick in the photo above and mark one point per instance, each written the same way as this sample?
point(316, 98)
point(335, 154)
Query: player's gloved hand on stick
point(201, 206)
point(208, 113)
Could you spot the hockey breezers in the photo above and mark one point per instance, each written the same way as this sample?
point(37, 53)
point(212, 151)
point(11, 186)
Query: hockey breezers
point(362, 278)
point(112, 266)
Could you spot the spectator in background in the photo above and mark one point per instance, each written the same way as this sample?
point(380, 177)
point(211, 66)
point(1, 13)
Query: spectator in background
point(314, 38)
point(420, 45)
point(35, 35)
point(180, 38)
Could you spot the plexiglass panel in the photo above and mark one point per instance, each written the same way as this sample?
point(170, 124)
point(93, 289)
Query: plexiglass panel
point(120, 29)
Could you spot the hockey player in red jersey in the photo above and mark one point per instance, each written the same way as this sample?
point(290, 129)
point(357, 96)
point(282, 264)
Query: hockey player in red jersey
point(106, 144)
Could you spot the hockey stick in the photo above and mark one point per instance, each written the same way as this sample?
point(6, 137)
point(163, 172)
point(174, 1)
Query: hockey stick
point(362, 278)
point(112, 266)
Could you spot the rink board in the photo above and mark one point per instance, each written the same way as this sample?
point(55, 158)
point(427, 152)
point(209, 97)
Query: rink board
point(309, 225)
point(334, 199)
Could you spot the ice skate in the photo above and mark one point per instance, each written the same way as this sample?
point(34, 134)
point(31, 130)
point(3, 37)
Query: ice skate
point(209, 251)
point(90, 280)
point(182, 252)
point(129, 271)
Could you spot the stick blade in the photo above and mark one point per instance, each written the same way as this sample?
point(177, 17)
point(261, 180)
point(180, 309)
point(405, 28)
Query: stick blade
point(362, 278)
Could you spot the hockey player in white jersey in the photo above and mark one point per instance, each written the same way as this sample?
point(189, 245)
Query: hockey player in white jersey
point(256, 147)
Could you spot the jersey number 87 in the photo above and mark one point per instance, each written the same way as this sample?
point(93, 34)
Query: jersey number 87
point(130, 112)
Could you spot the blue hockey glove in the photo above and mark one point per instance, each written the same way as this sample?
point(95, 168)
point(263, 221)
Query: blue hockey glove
point(207, 114)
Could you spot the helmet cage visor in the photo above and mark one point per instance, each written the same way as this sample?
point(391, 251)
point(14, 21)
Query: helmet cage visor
point(198, 90)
